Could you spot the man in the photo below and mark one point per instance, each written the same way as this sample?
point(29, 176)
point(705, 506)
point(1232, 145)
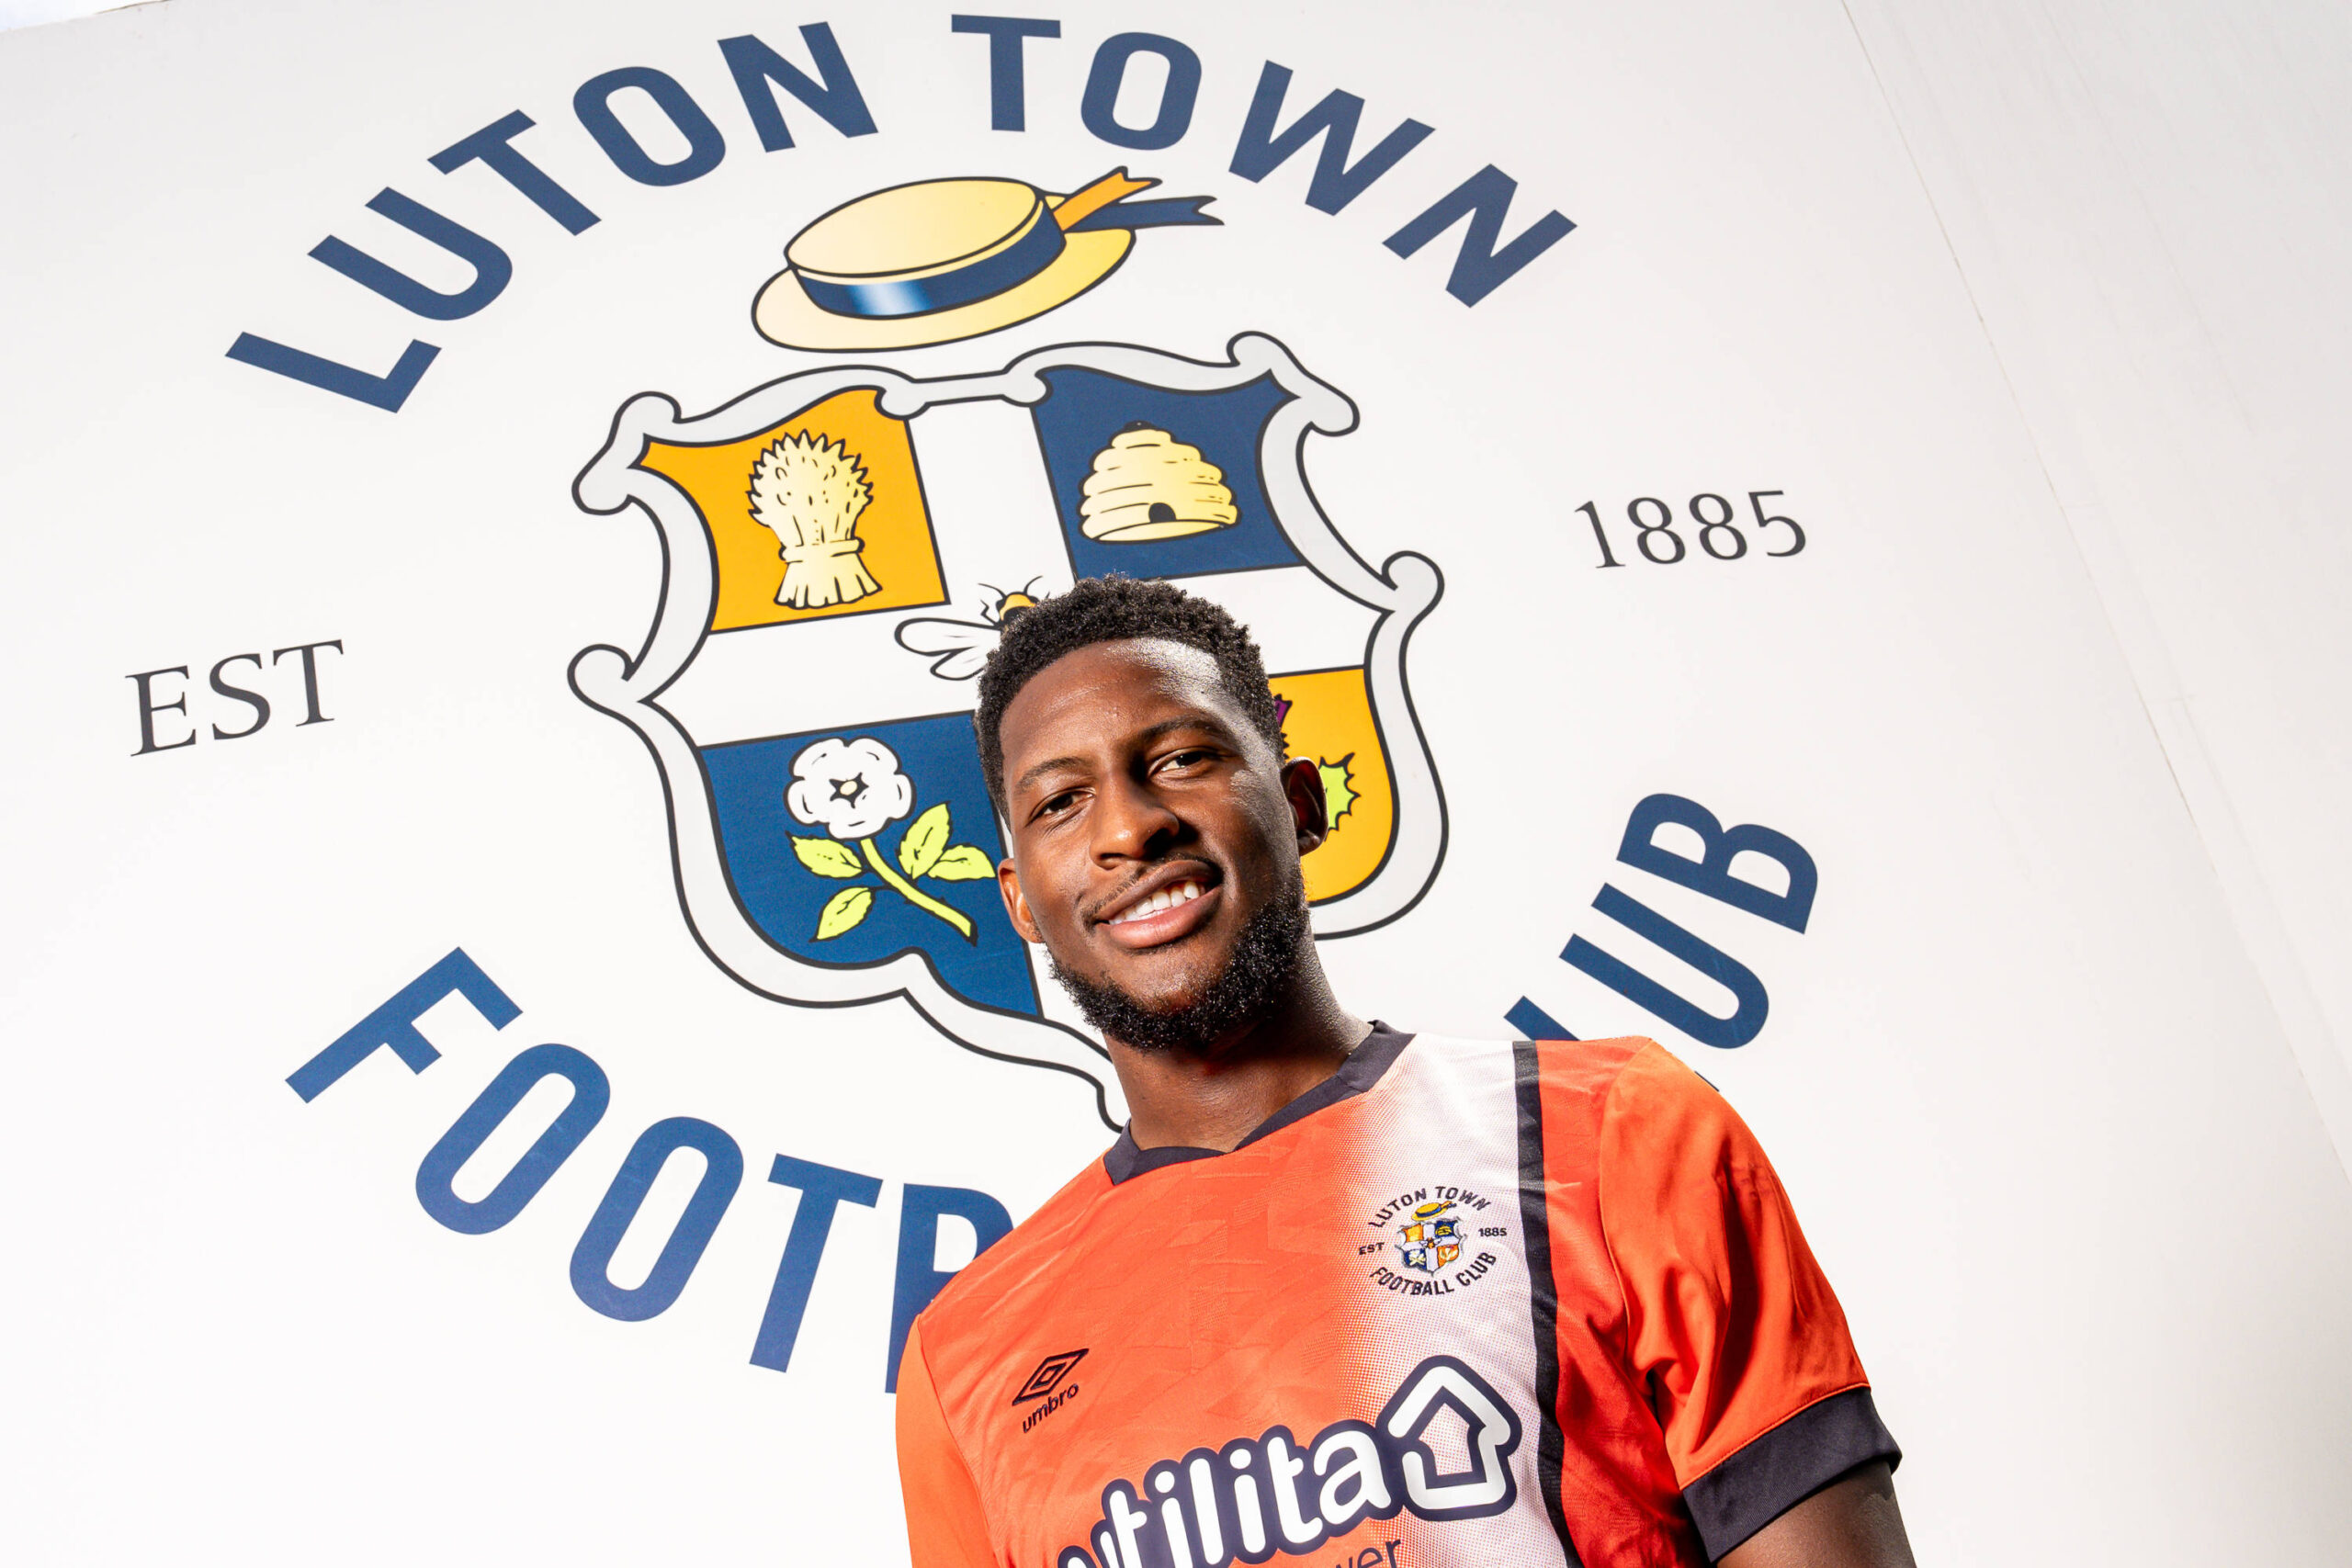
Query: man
point(1340, 1294)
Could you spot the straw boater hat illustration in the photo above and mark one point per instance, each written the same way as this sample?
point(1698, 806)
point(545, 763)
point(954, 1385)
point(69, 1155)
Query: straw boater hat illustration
point(940, 260)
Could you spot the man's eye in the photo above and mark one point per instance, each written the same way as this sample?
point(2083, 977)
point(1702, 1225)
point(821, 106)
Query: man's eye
point(1190, 756)
point(1054, 805)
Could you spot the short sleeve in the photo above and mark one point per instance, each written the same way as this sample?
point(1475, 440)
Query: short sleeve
point(945, 1525)
point(1730, 1323)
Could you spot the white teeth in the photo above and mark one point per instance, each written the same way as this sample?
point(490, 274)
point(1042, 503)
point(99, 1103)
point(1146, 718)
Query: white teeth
point(1165, 898)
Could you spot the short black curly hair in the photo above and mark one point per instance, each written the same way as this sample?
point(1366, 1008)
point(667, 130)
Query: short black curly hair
point(1111, 609)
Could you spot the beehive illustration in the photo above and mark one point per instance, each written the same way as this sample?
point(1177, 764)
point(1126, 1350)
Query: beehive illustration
point(1149, 485)
point(810, 492)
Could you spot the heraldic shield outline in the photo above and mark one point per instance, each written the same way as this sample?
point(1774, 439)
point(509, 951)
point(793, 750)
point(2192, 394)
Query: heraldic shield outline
point(831, 840)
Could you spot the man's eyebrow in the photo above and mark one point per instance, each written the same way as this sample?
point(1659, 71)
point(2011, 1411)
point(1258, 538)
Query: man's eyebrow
point(1048, 766)
point(1166, 726)
point(1195, 721)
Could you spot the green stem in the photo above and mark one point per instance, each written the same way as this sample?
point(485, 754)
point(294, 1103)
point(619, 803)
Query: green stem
point(914, 895)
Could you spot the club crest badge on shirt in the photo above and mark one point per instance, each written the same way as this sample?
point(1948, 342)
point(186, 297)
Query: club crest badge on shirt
point(1441, 1239)
point(1430, 1238)
point(840, 547)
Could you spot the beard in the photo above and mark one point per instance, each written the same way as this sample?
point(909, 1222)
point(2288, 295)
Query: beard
point(1261, 969)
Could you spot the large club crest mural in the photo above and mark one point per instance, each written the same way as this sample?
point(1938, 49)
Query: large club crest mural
point(842, 546)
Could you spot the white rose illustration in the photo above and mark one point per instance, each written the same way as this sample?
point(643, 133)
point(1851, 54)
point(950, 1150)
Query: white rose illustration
point(853, 789)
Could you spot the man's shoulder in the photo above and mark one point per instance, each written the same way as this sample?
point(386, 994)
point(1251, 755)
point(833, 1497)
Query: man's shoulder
point(1590, 1065)
point(1562, 1060)
point(964, 1303)
point(1593, 1082)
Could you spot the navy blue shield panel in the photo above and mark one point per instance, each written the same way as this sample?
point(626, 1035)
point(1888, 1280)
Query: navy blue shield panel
point(1078, 424)
point(787, 872)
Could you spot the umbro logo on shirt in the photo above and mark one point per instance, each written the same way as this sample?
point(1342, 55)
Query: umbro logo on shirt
point(1047, 1383)
point(1050, 1372)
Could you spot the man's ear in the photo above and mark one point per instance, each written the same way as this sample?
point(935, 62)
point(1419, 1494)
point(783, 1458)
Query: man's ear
point(1016, 906)
point(1303, 785)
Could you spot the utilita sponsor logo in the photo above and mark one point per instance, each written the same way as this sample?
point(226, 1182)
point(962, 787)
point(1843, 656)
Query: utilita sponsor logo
point(1257, 1497)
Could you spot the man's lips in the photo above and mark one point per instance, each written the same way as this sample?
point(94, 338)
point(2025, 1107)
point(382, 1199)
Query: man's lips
point(1165, 904)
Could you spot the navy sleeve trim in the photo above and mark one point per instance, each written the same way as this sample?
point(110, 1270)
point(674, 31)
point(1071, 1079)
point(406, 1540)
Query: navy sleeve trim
point(1785, 1466)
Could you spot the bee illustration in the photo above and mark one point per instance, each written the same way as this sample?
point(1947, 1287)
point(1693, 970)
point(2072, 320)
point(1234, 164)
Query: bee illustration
point(959, 650)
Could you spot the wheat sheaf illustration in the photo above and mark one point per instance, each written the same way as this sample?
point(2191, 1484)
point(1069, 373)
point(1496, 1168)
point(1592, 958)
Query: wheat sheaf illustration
point(811, 492)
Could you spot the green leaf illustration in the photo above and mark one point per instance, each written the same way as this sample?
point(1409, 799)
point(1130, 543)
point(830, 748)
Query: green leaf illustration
point(827, 858)
point(963, 864)
point(1338, 792)
point(918, 848)
point(842, 910)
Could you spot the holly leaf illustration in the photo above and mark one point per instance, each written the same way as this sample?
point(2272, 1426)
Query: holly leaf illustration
point(963, 864)
point(842, 910)
point(826, 857)
point(919, 847)
point(1338, 793)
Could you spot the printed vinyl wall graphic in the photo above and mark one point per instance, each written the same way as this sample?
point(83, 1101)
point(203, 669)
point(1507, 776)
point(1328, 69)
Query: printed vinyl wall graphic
point(843, 545)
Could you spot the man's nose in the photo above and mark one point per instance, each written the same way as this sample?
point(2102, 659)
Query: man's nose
point(1131, 822)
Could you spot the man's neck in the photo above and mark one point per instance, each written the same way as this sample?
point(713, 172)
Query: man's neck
point(1214, 1099)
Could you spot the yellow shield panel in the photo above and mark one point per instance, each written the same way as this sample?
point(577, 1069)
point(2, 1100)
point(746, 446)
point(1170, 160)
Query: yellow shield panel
point(822, 514)
point(1329, 719)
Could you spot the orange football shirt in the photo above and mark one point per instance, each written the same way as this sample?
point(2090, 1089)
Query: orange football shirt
point(1465, 1304)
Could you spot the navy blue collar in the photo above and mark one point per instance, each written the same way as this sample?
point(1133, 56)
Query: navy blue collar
point(1363, 1069)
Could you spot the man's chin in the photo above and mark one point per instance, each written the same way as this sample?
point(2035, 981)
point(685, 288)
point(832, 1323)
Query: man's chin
point(1211, 1002)
point(1161, 1023)
point(1160, 981)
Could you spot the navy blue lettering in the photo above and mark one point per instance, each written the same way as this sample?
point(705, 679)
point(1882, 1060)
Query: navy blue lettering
point(823, 1189)
point(918, 1280)
point(1712, 874)
point(1007, 81)
point(1485, 198)
point(832, 93)
point(491, 268)
point(1262, 150)
point(592, 1261)
point(1176, 99)
point(593, 104)
point(493, 145)
point(1747, 992)
point(590, 1092)
point(1534, 1024)
point(393, 1026)
point(387, 391)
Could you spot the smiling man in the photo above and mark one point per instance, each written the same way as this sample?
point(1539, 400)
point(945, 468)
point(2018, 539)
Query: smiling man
point(1339, 1294)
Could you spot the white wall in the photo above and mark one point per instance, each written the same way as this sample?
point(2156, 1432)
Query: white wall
point(2150, 207)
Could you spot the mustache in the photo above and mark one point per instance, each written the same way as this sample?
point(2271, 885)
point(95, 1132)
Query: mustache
point(1091, 912)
